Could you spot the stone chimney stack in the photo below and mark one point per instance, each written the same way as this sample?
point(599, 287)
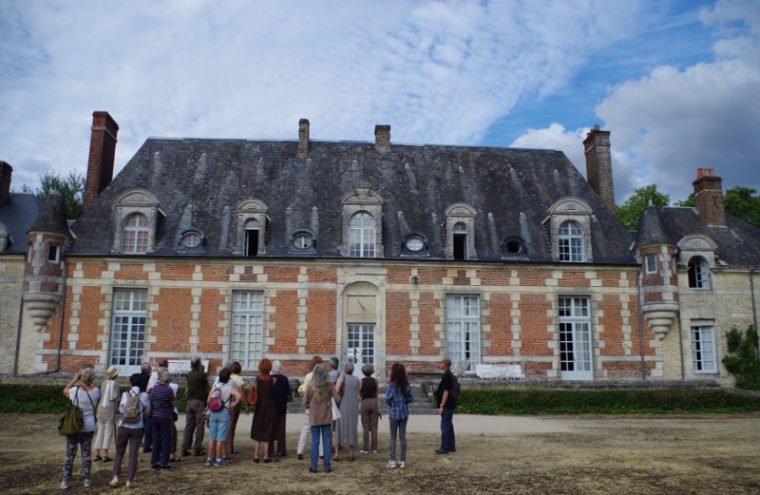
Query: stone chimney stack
point(383, 138)
point(708, 192)
point(303, 138)
point(599, 164)
point(5, 181)
point(102, 155)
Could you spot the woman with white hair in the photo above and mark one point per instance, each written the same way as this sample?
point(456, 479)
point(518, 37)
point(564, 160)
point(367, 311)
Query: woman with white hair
point(85, 396)
point(347, 388)
point(318, 401)
point(106, 415)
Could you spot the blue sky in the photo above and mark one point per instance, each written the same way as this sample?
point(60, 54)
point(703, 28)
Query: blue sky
point(676, 82)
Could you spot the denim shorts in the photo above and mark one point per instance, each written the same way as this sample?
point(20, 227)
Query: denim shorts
point(219, 423)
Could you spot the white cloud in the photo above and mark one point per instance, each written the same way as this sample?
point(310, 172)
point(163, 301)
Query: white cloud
point(438, 72)
point(672, 121)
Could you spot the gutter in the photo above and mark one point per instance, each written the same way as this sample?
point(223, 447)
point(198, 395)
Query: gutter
point(18, 334)
point(754, 306)
point(62, 318)
point(680, 345)
point(641, 327)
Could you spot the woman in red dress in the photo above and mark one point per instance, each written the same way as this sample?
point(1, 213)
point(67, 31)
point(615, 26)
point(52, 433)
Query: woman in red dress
point(265, 415)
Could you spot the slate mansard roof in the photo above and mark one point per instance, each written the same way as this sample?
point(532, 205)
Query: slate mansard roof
point(18, 214)
point(738, 242)
point(206, 179)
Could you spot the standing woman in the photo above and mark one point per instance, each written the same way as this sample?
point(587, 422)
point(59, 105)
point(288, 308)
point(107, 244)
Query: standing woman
point(398, 396)
point(106, 415)
point(85, 396)
point(347, 387)
point(130, 431)
point(219, 421)
point(265, 415)
point(306, 422)
point(162, 402)
point(318, 401)
point(369, 411)
point(229, 444)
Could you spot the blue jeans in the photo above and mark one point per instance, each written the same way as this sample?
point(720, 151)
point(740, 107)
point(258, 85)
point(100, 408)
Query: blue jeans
point(400, 427)
point(219, 424)
point(448, 442)
point(148, 444)
point(324, 431)
point(162, 435)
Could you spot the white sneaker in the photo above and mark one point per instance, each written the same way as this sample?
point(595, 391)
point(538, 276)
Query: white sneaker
point(402, 465)
point(391, 465)
point(374, 451)
point(114, 482)
point(87, 483)
point(64, 485)
point(362, 451)
point(132, 484)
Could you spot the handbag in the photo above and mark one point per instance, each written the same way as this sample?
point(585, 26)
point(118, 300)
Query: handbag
point(335, 411)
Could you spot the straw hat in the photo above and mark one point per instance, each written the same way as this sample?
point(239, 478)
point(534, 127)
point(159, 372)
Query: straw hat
point(112, 372)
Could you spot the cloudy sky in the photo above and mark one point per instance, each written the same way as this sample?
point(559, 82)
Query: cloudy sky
point(676, 82)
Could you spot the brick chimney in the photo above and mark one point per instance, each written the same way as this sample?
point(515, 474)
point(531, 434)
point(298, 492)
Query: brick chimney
point(708, 192)
point(599, 164)
point(102, 154)
point(303, 138)
point(5, 181)
point(383, 138)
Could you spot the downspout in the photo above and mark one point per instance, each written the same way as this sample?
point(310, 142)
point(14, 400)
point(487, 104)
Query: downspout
point(754, 306)
point(641, 327)
point(60, 323)
point(18, 334)
point(680, 346)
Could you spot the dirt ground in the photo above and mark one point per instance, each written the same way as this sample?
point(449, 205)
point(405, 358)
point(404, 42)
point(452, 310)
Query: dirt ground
point(711, 454)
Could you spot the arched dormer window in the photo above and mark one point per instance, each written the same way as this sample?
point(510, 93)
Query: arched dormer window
point(569, 224)
point(570, 241)
point(460, 232)
point(699, 273)
point(251, 228)
point(136, 236)
point(361, 235)
point(362, 223)
point(136, 218)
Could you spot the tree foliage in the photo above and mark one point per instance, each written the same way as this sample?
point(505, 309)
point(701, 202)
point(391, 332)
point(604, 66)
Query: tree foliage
point(71, 187)
point(630, 211)
point(743, 203)
point(742, 360)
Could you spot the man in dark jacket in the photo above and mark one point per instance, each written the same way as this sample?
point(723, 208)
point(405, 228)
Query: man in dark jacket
point(282, 396)
point(446, 405)
point(197, 391)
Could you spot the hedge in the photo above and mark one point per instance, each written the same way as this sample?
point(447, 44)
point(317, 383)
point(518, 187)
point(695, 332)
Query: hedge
point(654, 401)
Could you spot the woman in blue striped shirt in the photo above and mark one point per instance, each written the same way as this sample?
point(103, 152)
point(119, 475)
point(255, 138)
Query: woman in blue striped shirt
point(398, 396)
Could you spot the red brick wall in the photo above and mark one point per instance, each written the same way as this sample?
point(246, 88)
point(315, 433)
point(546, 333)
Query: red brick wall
point(173, 318)
point(612, 322)
point(209, 317)
point(285, 319)
point(281, 274)
point(533, 321)
point(397, 322)
point(427, 319)
point(320, 322)
point(500, 335)
point(131, 271)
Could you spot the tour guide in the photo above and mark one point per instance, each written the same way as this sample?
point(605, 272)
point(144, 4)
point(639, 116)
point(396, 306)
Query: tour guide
point(446, 405)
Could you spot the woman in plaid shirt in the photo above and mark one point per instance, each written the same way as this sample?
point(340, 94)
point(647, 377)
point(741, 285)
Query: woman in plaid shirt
point(398, 396)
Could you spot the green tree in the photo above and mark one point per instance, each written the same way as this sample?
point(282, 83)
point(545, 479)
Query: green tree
point(744, 203)
point(630, 211)
point(71, 187)
point(742, 361)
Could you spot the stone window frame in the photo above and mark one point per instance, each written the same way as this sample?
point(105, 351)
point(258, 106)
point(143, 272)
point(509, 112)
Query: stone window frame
point(181, 247)
point(133, 201)
point(247, 210)
point(575, 210)
point(650, 268)
point(366, 200)
point(693, 246)
point(465, 214)
point(294, 248)
point(697, 352)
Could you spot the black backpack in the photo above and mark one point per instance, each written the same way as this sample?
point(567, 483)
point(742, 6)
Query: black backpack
point(455, 387)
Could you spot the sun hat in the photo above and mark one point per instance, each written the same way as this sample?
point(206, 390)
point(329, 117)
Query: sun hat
point(112, 372)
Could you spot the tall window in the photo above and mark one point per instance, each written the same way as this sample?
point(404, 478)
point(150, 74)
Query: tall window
point(136, 237)
point(650, 262)
point(463, 328)
point(570, 242)
point(703, 349)
point(361, 235)
point(247, 328)
point(128, 328)
point(699, 273)
point(252, 233)
point(361, 343)
point(575, 338)
point(460, 241)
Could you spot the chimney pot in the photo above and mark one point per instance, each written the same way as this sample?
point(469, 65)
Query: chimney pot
point(5, 181)
point(101, 157)
point(708, 193)
point(303, 138)
point(383, 138)
point(599, 165)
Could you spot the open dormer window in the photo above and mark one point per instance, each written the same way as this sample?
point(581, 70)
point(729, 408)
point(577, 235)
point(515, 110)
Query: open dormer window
point(460, 232)
point(252, 233)
point(252, 228)
point(699, 273)
point(361, 235)
point(460, 241)
point(570, 242)
point(136, 236)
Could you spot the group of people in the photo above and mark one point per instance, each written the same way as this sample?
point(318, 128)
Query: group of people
point(333, 400)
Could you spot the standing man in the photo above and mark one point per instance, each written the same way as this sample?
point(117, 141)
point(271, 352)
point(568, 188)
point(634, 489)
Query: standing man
point(282, 396)
point(197, 391)
point(446, 405)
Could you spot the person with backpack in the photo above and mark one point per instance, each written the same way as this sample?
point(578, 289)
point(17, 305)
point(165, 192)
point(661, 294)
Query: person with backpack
point(84, 396)
point(133, 406)
point(106, 415)
point(445, 397)
point(398, 396)
point(195, 423)
point(221, 402)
